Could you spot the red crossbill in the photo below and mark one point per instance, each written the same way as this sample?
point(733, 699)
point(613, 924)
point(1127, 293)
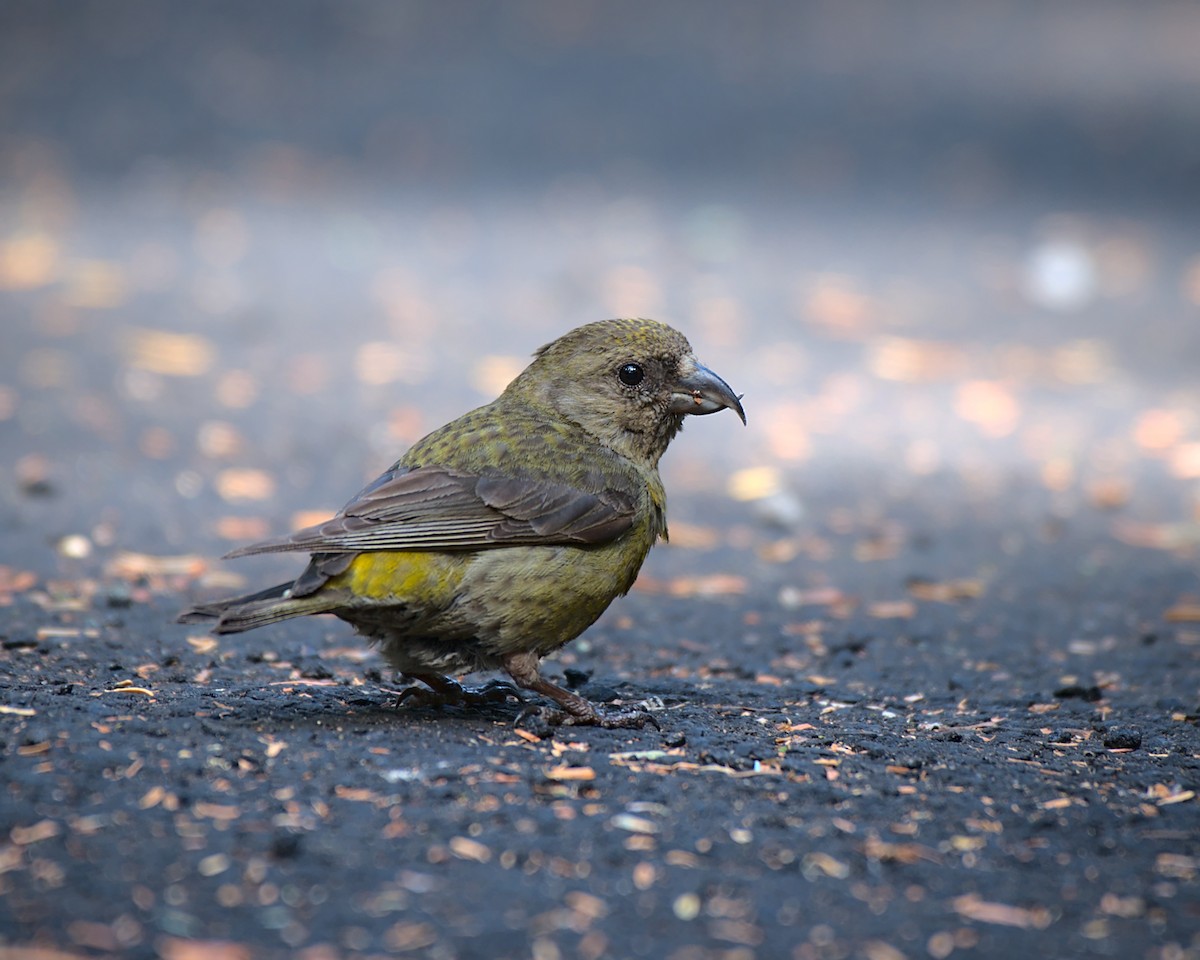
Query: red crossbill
point(504, 534)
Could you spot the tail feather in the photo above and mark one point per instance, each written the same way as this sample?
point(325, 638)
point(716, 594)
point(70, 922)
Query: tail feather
point(236, 614)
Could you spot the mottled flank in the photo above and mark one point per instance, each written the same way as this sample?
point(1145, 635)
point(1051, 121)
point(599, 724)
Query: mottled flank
point(503, 535)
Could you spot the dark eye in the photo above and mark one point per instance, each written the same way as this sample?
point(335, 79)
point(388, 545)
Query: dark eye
point(631, 374)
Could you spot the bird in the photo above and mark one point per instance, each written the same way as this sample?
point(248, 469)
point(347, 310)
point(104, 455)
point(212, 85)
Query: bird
point(503, 535)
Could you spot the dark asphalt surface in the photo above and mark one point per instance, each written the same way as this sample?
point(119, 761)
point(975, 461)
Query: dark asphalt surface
point(925, 644)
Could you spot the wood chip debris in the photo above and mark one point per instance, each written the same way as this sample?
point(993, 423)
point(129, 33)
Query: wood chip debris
point(170, 354)
point(893, 610)
point(633, 824)
point(273, 747)
point(759, 768)
point(1177, 865)
point(356, 794)
point(1166, 794)
point(947, 591)
point(127, 686)
point(66, 633)
point(467, 849)
point(42, 830)
point(973, 907)
point(567, 772)
point(1186, 612)
point(127, 565)
point(14, 581)
point(1157, 536)
point(216, 811)
point(244, 483)
point(876, 849)
point(708, 585)
point(822, 864)
point(174, 948)
point(205, 644)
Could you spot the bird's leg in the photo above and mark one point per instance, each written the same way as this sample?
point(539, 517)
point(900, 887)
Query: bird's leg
point(574, 709)
point(443, 690)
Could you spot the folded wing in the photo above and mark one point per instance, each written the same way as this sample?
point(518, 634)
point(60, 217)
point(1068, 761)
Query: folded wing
point(435, 508)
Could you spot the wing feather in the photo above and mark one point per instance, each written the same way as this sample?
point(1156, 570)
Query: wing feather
point(436, 508)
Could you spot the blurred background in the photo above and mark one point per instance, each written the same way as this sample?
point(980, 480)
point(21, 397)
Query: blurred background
point(250, 252)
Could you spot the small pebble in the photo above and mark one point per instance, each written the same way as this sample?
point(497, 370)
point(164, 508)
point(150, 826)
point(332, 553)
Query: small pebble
point(285, 846)
point(600, 693)
point(1088, 694)
point(576, 678)
point(1122, 738)
point(118, 597)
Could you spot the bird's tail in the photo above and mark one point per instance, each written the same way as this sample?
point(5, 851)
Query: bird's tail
point(236, 614)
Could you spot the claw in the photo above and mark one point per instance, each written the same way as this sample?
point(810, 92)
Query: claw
point(441, 691)
point(572, 710)
point(545, 718)
point(494, 691)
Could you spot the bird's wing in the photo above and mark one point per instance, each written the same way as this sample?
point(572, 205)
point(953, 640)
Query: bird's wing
point(435, 508)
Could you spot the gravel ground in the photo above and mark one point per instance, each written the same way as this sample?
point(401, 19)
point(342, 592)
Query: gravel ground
point(945, 773)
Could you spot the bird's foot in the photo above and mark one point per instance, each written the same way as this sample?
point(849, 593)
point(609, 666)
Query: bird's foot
point(541, 720)
point(442, 691)
point(570, 710)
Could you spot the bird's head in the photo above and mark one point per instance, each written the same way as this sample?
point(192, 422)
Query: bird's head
point(629, 383)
